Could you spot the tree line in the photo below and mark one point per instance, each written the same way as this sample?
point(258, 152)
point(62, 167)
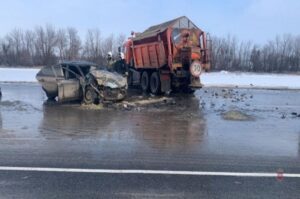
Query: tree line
point(46, 45)
point(279, 55)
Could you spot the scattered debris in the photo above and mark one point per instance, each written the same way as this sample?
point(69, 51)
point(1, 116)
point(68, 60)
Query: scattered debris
point(150, 101)
point(236, 115)
point(92, 106)
point(136, 104)
point(294, 114)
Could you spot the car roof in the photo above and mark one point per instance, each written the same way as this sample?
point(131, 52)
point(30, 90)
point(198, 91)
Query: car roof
point(78, 63)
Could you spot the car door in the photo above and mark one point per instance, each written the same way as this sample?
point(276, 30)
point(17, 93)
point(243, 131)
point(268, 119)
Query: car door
point(47, 78)
point(69, 87)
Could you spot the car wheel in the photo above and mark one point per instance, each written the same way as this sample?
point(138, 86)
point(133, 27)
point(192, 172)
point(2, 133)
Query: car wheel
point(89, 96)
point(145, 81)
point(50, 96)
point(155, 84)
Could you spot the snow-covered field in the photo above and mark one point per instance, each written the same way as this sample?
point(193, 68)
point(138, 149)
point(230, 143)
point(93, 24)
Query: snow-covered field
point(249, 80)
point(18, 74)
point(210, 79)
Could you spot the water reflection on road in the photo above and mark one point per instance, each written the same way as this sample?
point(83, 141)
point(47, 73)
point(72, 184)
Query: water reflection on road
point(153, 127)
point(187, 126)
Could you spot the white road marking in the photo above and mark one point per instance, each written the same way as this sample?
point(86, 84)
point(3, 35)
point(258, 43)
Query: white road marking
point(157, 172)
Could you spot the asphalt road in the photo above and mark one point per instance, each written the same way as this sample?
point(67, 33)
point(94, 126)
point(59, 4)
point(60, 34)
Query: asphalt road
point(191, 135)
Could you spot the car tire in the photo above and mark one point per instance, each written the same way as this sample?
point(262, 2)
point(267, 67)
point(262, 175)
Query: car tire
point(50, 96)
point(89, 95)
point(155, 84)
point(145, 81)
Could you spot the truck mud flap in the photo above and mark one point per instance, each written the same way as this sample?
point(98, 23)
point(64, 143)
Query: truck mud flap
point(165, 80)
point(195, 83)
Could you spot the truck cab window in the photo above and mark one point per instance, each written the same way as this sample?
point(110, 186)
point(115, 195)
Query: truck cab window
point(176, 36)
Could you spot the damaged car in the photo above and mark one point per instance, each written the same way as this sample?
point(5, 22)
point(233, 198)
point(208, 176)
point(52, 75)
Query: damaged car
point(85, 81)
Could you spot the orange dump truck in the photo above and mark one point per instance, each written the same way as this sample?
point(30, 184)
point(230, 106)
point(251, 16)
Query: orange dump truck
point(167, 56)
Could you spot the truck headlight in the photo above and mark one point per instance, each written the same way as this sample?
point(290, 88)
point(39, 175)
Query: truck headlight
point(196, 69)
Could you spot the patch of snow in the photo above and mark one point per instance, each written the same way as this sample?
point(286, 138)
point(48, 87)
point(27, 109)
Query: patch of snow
point(248, 80)
point(18, 74)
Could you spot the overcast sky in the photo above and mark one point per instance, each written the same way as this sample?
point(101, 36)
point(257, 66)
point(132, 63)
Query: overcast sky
point(255, 20)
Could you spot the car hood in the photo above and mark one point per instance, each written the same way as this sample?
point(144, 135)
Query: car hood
point(109, 79)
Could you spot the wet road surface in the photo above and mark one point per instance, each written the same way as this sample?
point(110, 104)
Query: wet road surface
point(190, 135)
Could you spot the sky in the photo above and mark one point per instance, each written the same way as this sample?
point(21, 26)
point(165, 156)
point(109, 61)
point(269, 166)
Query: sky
point(254, 20)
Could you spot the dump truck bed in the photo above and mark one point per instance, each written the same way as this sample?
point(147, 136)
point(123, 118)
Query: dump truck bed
point(150, 55)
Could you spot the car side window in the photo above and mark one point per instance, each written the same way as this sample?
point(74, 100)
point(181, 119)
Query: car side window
point(85, 69)
point(47, 71)
point(65, 71)
point(58, 71)
point(73, 72)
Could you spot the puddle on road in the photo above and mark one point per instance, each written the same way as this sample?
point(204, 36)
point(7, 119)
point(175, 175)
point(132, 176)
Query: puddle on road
point(17, 106)
point(189, 124)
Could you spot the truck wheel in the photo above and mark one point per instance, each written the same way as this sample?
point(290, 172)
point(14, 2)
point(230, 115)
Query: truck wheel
point(145, 81)
point(89, 96)
point(155, 84)
point(189, 90)
point(186, 89)
point(130, 79)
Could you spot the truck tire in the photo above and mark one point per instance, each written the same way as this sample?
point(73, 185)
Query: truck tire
point(130, 79)
point(145, 81)
point(188, 90)
point(155, 84)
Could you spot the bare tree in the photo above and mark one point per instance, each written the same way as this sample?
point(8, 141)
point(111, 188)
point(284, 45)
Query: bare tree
point(108, 44)
point(15, 38)
point(92, 48)
point(119, 42)
point(1, 52)
point(62, 42)
point(74, 44)
point(46, 41)
point(44, 46)
point(5, 47)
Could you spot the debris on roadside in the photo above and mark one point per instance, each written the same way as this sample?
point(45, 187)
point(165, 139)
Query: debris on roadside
point(292, 115)
point(236, 116)
point(138, 103)
point(295, 114)
point(283, 116)
point(91, 106)
point(132, 104)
